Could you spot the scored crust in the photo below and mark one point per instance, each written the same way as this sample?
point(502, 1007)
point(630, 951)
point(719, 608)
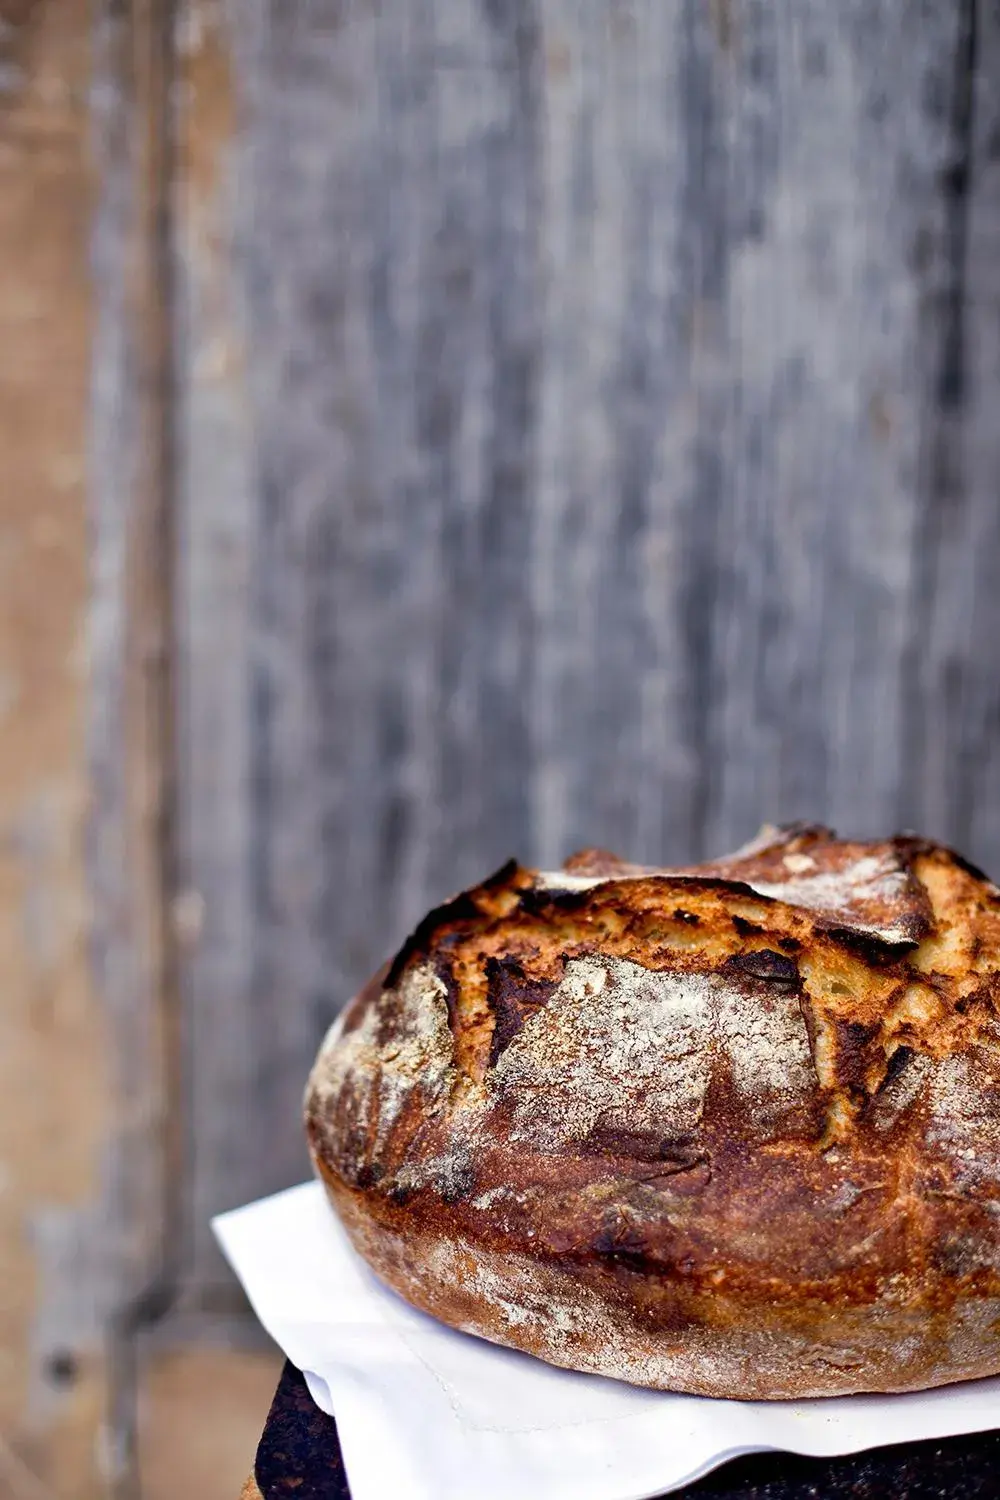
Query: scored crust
point(732, 1129)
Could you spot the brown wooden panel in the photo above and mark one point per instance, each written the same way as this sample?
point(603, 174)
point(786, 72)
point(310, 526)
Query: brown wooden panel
point(52, 1069)
point(214, 618)
point(133, 747)
point(201, 1416)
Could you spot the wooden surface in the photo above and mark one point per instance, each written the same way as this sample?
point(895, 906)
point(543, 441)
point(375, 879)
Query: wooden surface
point(52, 1031)
point(299, 1455)
point(201, 1412)
point(434, 431)
point(81, 1055)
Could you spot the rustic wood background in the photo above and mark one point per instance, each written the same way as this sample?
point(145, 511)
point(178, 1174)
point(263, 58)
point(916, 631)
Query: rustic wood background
point(435, 430)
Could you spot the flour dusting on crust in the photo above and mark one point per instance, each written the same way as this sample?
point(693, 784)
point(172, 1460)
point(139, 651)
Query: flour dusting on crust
point(633, 1050)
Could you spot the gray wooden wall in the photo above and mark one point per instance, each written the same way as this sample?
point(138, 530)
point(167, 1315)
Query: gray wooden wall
point(566, 422)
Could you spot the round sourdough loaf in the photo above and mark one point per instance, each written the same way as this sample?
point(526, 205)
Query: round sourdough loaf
point(732, 1130)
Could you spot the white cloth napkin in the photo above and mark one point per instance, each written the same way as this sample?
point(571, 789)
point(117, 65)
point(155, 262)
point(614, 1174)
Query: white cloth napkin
point(425, 1413)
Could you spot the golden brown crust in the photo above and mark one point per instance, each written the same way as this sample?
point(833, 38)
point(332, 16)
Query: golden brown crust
point(733, 1130)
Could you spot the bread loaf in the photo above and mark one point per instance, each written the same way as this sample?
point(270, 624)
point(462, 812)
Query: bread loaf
point(732, 1130)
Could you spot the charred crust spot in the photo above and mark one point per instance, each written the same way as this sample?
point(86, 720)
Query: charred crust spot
point(767, 965)
point(369, 1175)
point(540, 901)
point(620, 1239)
point(534, 902)
point(570, 901)
point(461, 908)
point(725, 887)
point(457, 1183)
point(507, 1023)
point(809, 1017)
point(789, 944)
point(513, 997)
point(746, 928)
point(621, 1243)
point(452, 990)
point(854, 1033)
point(678, 1153)
point(878, 951)
point(910, 845)
point(635, 1259)
point(852, 1054)
point(690, 917)
point(983, 997)
point(897, 1062)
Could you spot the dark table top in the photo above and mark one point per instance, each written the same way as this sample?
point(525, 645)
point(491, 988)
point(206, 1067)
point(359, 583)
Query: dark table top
point(299, 1456)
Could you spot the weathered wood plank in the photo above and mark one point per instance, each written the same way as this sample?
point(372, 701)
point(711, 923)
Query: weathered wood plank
point(612, 699)
point(132, 739)
point(970, 765)
point(560, 393)
point(833, 341)
point(202, 1415)
point(52, 1069)
point(216, 526)
point(953, 785)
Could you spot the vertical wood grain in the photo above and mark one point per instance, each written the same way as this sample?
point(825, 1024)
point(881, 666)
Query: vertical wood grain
point(133, 751)
point(53, 1112)
point(202, 1413)
point(952, 784)
point(832, 357)
point(969, 723)
point(216, 526)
